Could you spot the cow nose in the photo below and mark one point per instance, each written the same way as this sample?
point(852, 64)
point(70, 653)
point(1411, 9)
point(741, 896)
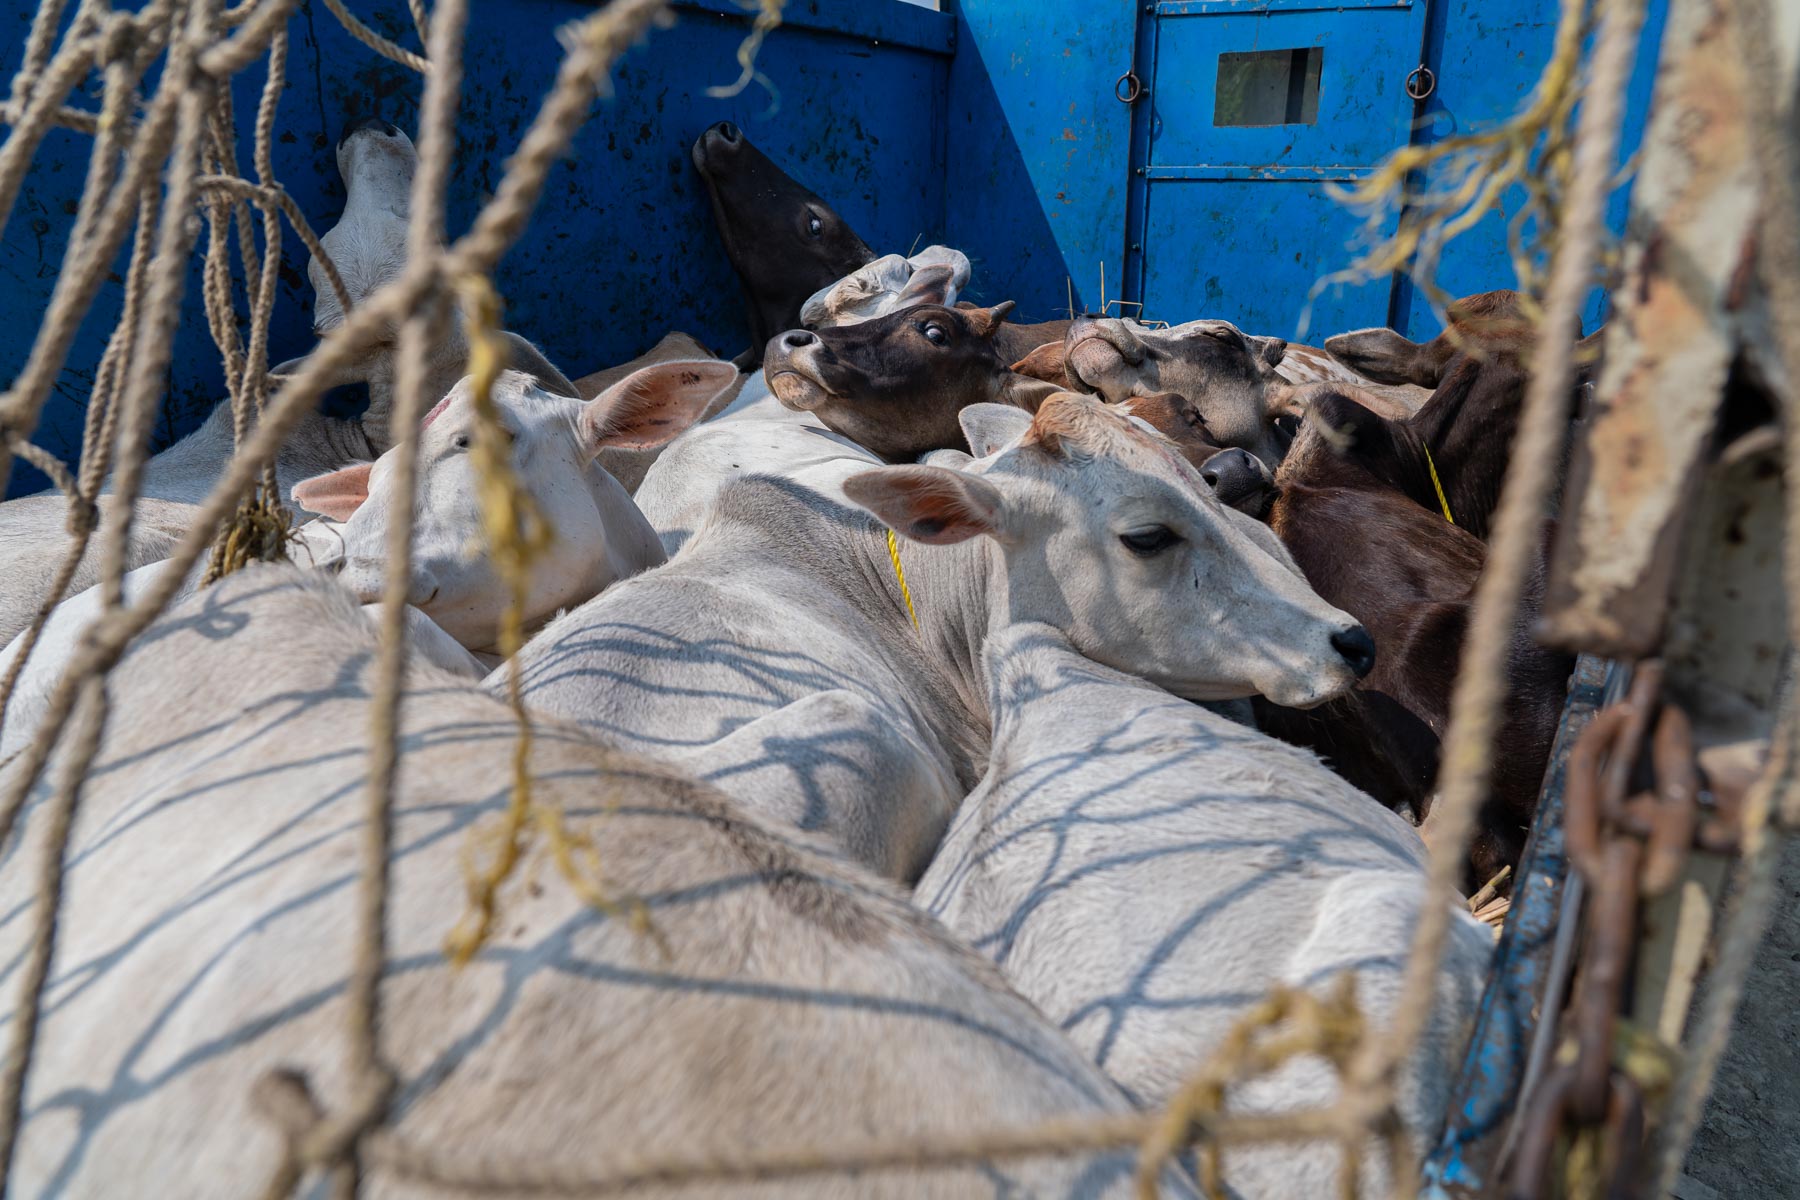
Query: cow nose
point(727, 132)
point(1357, 649)
point(1227, 463)
point(793, 339)
point(362, 123)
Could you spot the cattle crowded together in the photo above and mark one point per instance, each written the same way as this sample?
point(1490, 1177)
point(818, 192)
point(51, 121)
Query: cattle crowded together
point(957, 722)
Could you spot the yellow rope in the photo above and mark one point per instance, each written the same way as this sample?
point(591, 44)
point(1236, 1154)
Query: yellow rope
point(1443, 503)
point(517, 535)
point(900, 574)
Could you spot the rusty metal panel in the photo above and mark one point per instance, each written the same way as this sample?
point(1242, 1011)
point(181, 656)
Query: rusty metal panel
point(1678, 322)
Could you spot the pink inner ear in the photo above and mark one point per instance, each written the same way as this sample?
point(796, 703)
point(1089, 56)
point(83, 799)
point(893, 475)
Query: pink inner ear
point(336, 495)
point(437, 410)
point(651, 406)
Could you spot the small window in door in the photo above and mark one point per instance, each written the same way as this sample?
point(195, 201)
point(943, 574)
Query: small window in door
point(1269, 87)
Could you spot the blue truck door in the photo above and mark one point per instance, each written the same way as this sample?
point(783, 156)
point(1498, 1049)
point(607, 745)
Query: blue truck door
point(1249, 110)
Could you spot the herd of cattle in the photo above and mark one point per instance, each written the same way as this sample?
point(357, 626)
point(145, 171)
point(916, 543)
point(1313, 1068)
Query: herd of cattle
point(966, 723)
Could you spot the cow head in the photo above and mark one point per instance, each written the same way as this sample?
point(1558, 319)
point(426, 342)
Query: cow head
point(1229, 376)
point(368, 244)
point(1110, 536)
point(895, 385)
point(552, 441)
point(1483, 325)
point(784, 242)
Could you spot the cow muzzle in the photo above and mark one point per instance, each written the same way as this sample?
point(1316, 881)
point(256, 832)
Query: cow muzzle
point(715, 144)
point(791, 366)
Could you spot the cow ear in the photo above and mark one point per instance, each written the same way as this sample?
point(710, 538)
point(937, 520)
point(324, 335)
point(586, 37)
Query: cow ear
point(1383, 356)
point(1124, 339)
point(984, 321)
point(1022, 391)
point(1269, 350)
point(988, 427)
point(1048, 362)
point(944, 256)
point(928, 285)
point(930, 504)
point(336, 495)
point(649, 407)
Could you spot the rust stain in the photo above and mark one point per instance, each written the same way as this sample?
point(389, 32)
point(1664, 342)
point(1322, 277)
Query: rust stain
point(1669, 345)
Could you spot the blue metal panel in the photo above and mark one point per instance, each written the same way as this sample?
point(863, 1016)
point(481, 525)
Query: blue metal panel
point(1249, 253)
point(1038, 149)
point(1193, 8)
point(1363, 109)
point(1237, 220)
point(1488, 57)
point(882, 22)
point(622, 248)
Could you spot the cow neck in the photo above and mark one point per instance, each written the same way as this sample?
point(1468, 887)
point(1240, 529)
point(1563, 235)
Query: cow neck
point(1469, 424)
point(1024, 664)
point(188, 470)
point(958, 591)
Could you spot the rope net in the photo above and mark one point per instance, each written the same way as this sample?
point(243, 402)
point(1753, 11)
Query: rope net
point(158, 158)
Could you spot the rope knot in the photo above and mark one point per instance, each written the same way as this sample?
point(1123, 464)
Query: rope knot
point(119, 39)
point(84, 516)
point(284, 1099)
point(309, 1136)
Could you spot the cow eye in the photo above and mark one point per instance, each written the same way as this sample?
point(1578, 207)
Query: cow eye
point(460, 441)
point(936, 335)
point(1146, 543)
point(814, 226)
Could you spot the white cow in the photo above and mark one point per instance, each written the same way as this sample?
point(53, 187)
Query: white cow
point(456, 597)
point(1145, 870)
point(781, 998)
point(599, 537)
point(776, 655)
point(368, 246)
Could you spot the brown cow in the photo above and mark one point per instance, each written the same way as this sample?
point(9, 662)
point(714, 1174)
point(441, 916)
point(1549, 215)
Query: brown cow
point(1374, 550)
point(1464, 433)
point(1227, 376)
point(895, 384)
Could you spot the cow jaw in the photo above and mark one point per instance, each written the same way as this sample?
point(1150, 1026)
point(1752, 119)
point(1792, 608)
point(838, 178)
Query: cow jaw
point(798, 387)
